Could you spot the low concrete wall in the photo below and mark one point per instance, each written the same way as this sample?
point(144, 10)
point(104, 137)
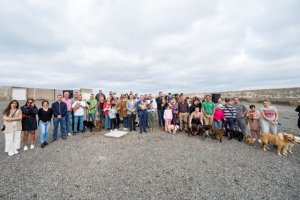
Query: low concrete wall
point(5, 93)
point(40, 94)
point(287, 96)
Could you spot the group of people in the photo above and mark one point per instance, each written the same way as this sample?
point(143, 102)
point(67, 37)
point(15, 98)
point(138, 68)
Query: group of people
point(129, 111)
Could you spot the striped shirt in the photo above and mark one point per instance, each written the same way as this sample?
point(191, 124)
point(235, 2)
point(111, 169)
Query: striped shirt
point(229, 111)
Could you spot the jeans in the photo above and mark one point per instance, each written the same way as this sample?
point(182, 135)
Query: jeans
point(107, 122)
point(240, 124)
point(91, 116)
point(217, 124)
point(161, 120)
point(131, 120)
point(68, 121)
point(142, 119)
point(76, 119)
point(44, 128)
point(229, 122)
point(62, 122)
point(126, 122)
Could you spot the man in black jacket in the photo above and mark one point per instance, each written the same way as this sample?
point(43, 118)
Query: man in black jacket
point(59, 112)
point(160, 110)
point(298, 110)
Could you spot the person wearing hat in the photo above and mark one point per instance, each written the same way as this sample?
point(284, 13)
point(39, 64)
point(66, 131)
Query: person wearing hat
point(218, 116)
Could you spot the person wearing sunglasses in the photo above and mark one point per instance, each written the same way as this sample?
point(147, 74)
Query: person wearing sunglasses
point(29, 122)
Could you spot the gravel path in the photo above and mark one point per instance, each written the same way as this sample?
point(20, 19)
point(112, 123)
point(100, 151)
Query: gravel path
point(149, 166)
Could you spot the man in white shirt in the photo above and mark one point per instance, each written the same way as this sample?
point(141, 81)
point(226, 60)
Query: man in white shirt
point(78, 107)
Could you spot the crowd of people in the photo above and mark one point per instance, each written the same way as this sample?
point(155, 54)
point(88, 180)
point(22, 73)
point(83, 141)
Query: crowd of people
point(130, 111)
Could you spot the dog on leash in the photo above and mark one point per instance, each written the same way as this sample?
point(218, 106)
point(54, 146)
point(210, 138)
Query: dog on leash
point(89, 125)
point(217, 134)
point(282, 144)
point(173, 128)
point(232, 134)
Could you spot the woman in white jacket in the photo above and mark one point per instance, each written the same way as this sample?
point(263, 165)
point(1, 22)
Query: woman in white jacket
point(12, 117)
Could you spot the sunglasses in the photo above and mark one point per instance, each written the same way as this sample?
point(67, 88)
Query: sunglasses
point(30, 102)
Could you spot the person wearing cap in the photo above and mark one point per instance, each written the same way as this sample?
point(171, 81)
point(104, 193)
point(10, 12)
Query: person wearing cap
point(218, 116)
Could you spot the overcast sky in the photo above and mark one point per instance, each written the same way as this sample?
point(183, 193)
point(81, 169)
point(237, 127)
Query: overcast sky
point(150, 45)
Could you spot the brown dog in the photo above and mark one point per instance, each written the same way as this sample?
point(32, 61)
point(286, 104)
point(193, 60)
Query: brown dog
point(193, 130)
point(281, 144)
point(249, 140)
point(217, 133)
point(98, 125)
point(289, 144)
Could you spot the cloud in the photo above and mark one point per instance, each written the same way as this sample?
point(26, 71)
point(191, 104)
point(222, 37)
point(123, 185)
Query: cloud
point(150, 46)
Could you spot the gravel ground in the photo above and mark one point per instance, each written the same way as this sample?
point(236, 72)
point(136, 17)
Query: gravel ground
point(150, 166)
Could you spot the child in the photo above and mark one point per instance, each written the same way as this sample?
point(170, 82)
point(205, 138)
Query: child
point(253, 117)
point(168, 116)
point(113, 117)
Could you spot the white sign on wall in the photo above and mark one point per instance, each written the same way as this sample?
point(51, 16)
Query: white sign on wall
point(19, 94)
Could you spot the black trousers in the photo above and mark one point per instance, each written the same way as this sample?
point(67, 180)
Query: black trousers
point(113, 123)
point(131, 119)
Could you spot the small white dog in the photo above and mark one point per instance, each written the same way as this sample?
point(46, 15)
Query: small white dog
point(173, 128)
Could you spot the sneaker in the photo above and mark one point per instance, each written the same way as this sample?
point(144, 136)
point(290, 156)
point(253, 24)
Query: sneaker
point(64, 138)
point(110, 130)
point(53, 140)
point(42, 145)
point(10, 154)
point(69, 134)
point(32, 146)
point(16, 151)
point(45, 143)
point(145, 131)
point(25, 148)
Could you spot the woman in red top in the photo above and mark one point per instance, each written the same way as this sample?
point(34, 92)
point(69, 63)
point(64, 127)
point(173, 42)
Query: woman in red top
point(106, 108)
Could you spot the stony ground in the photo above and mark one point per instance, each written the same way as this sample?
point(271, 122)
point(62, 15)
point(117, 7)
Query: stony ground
point(150, 166)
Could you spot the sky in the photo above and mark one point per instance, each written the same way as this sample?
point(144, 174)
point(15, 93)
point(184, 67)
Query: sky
point(150, 45)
